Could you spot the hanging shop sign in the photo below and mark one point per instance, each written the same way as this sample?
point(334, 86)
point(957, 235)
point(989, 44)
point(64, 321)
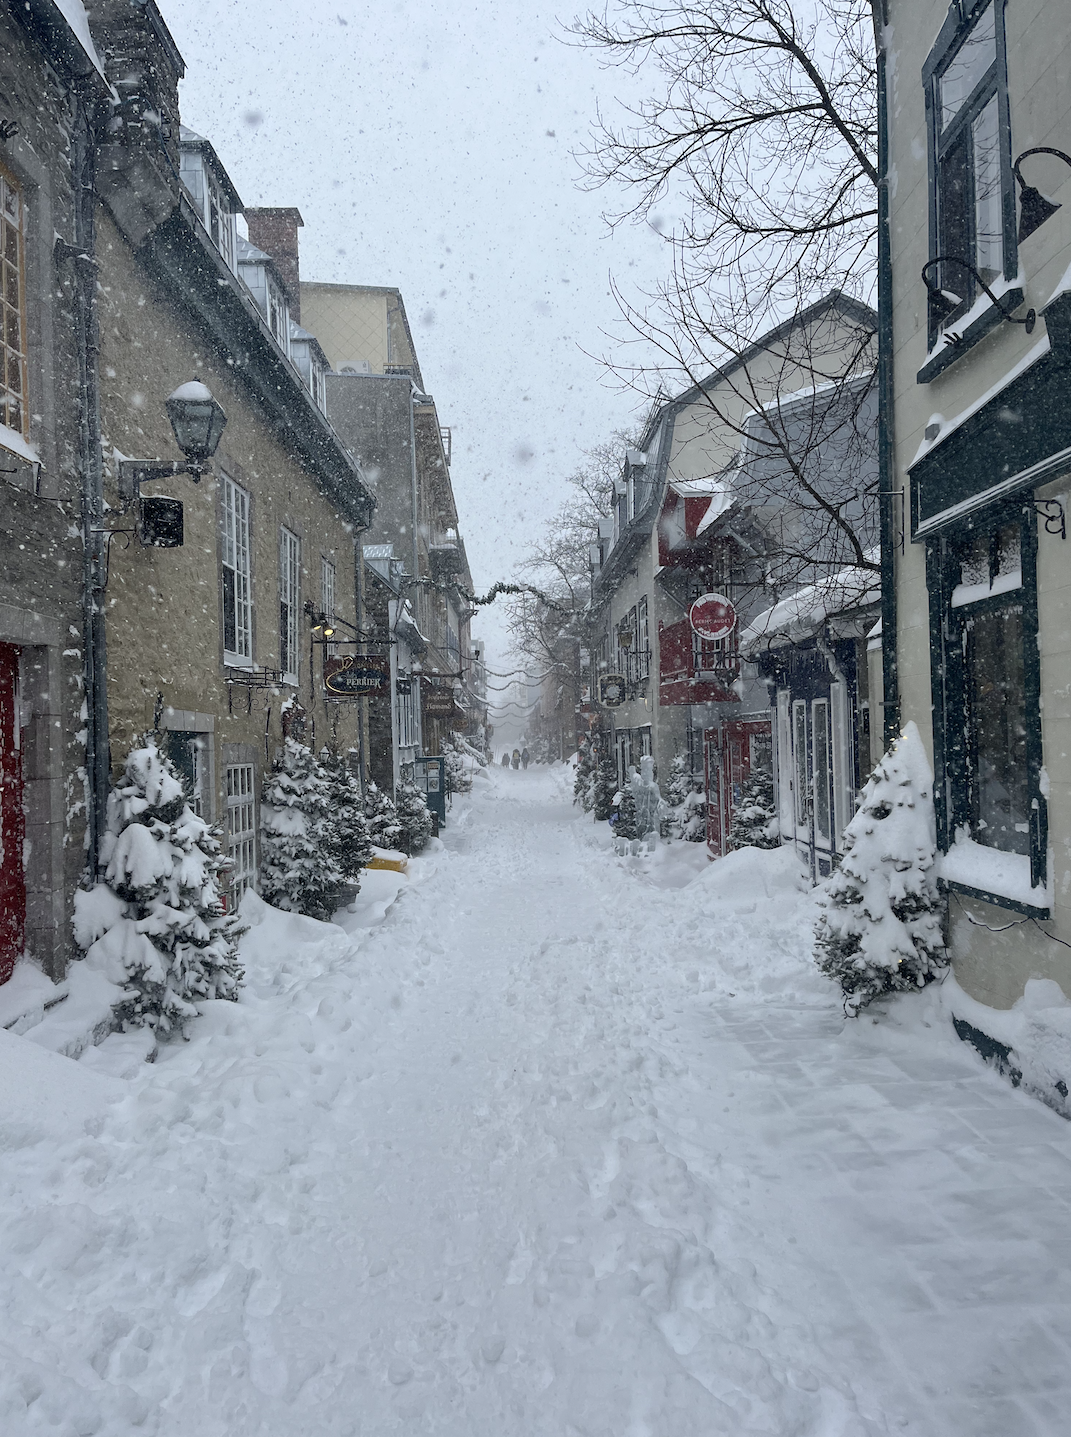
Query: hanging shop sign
point(612, 690)
point(355, 676)
point(712, 616)
point(437, 701)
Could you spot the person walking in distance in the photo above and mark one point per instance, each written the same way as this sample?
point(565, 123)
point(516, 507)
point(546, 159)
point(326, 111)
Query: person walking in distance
point(524, 758)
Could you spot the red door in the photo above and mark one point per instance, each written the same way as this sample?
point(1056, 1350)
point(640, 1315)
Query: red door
point(730, 751)
point(12, 822)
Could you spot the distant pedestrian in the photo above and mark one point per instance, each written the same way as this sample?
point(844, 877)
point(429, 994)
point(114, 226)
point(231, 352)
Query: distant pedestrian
point(524, 758)
point(516, 758)
point(505, 758)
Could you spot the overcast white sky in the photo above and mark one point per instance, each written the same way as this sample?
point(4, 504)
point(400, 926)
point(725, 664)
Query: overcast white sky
point(429, 146)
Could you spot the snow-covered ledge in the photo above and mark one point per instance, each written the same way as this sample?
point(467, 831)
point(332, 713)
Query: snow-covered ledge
point(988, 872)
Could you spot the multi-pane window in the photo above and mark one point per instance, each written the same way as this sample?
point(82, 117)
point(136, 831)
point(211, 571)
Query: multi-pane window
point(188, 752)
point(289, 590)
point(220, 222)
point(278, 315)
point(241, 828)
point(987, 608)
point(406, 712)
point(318, 385)
point(327, 597)
point(643, 640)
point(236, 574)
point(971, 163)
point(13, 410)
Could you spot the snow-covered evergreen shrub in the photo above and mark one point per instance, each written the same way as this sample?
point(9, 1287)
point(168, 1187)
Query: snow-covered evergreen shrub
point(413, 818)
point(350, 844)
point(458, 774)
point(604, 788)
point(585, 772)
point(880, 926)
point(299, 869)
point(625, 826)
point(156, 924)
point(686, 817)
point(754, 821)
point(384, 829)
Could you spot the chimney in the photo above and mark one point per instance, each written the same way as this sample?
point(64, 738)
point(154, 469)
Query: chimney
point(275, 231)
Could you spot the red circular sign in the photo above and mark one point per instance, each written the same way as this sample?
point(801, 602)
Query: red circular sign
point(712, 616)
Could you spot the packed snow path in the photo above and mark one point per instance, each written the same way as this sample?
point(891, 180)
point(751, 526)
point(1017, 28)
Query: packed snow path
point(566, 1145)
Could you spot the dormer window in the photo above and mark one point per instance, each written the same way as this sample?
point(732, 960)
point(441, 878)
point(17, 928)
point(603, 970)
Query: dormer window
point(220, 220)
point(319, 388)
point(278, 316)
point(211, 193)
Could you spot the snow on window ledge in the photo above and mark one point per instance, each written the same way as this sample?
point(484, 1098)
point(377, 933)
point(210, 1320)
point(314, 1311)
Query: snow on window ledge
point(990, 871)
point(13, 442)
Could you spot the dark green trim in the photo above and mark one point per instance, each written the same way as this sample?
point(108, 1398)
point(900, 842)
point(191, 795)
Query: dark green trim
point(953, 773)
point(997, 900)
point(886, 399)
point(953, 350)
point(1021, 427)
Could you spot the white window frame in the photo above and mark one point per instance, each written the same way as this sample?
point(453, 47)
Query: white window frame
point(289, 601)
point(278, 314)
point(328, 590)
point(219, 221)
point(236, 561)
point(241, 829)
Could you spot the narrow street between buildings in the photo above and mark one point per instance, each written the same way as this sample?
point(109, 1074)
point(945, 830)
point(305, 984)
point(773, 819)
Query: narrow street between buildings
point(564, 1144)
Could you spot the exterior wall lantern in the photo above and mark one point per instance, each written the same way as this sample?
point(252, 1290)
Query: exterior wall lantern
point(943, 304)
point(1034, 208)
point(198, 421)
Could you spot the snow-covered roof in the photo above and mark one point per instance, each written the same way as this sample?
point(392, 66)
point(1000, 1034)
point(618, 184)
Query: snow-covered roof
point(803, 613)
point(74, 12)
point(721, 502)
point(379, 551)
point(698, 488)
point(249, 254)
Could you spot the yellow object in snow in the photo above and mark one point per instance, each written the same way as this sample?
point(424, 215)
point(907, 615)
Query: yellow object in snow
point(395, 862)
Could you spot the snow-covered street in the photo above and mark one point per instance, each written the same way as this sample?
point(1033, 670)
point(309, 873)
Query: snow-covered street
point(598, 1154)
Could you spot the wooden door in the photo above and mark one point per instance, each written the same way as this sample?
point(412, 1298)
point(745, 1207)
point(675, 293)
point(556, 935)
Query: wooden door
point(12, 820)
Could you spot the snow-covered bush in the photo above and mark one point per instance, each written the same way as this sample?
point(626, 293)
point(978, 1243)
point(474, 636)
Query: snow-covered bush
point(156, 925)
point(413, 818)
point(604, 788)
point(458, 769)
point(350, 844)
point(384, 828)
point(685, 803)
point(299, 865)
point(879, 930)
point(754, 821)
point(625, 828)
point(585, 773)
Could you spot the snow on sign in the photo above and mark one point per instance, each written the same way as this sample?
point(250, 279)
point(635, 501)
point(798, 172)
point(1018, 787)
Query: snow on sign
point(712, 616)
point(612, 690)
point(353, 676)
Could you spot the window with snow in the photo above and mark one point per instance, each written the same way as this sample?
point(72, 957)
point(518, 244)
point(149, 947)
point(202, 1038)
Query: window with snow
point(241, 829)
point(220, 224)
point(289, 591)
point(643, 640)
point(13, 411)
point(973, 199)
point(236, 575)
point(327, 597)
point(318, 385)
point(278, 316)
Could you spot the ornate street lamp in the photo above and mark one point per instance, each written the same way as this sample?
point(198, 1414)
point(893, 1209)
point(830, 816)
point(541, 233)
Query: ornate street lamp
point(198, 422)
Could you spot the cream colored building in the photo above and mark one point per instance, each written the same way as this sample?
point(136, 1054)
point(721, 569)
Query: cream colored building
point(976, 543)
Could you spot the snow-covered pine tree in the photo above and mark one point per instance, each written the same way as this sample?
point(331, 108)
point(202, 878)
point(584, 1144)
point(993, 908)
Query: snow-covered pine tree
point(299, 869)
point(156, 924)
point(458, 769)
point(350, 844)
point(384, 829)
point(626, 828)
point(754, 820)
point(686, 801)
point(413, 818)
point(585, 769)
point(879, 930)
point(604, 788)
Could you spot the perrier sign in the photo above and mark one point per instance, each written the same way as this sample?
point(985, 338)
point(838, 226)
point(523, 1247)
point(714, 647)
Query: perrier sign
point(355, 676)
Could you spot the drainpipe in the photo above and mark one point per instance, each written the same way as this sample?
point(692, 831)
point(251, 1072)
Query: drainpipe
point(886, 451)
point(94, 564)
